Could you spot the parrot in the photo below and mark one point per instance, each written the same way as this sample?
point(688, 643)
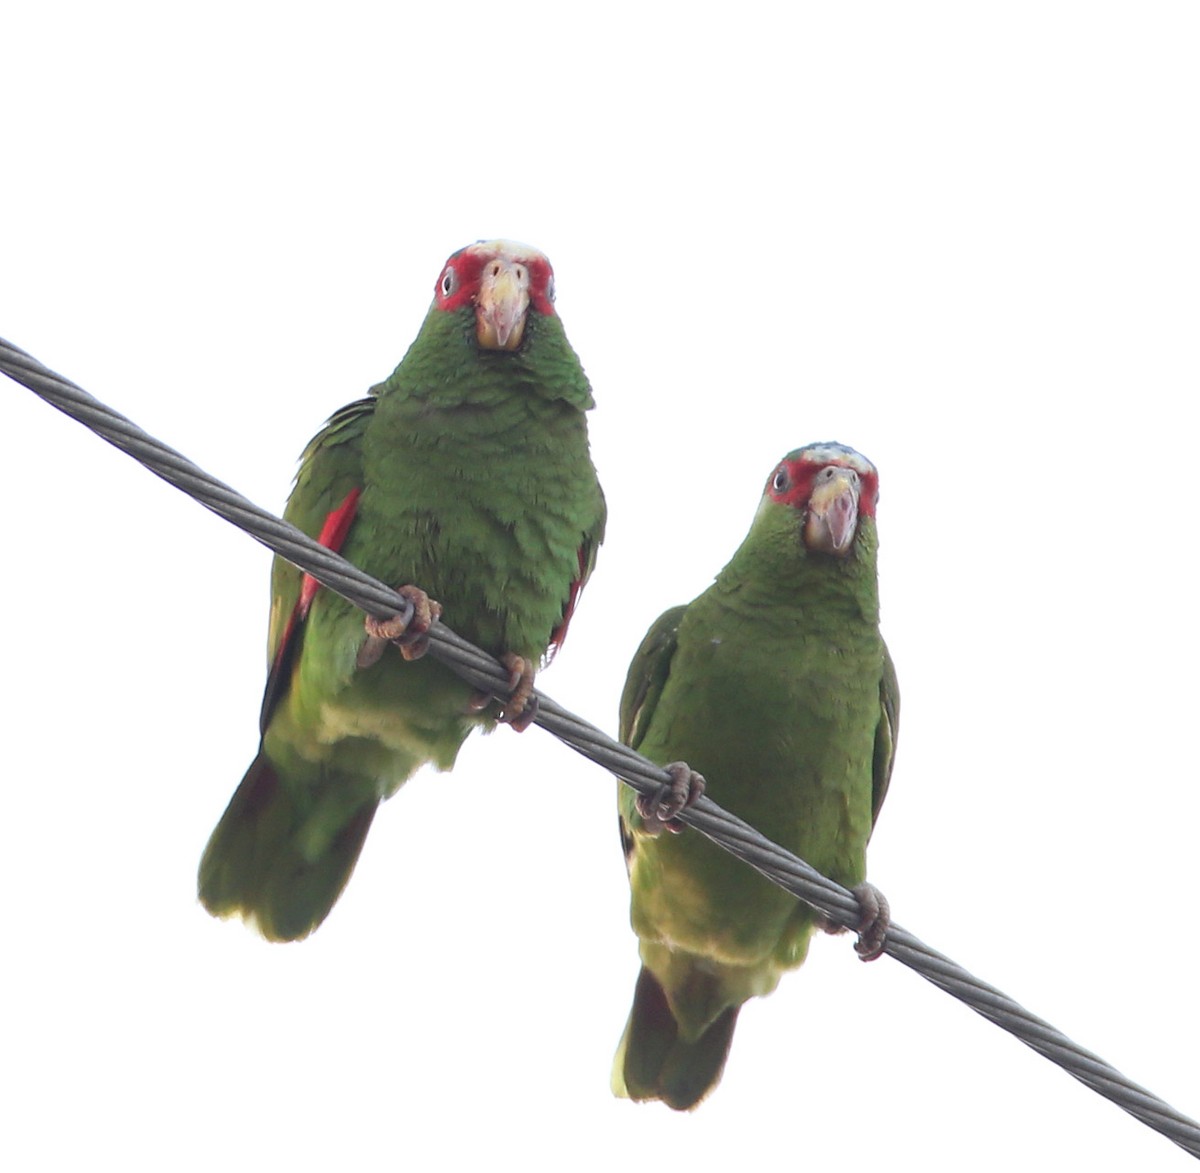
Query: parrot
point(465, 479)
point(775, 683)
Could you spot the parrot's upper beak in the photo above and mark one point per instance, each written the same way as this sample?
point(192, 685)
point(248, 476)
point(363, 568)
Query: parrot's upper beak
point(833, 512)
point(502, 305)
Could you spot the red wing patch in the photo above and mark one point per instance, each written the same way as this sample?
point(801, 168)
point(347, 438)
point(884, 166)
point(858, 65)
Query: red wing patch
point(332, 536)
point(560, 632)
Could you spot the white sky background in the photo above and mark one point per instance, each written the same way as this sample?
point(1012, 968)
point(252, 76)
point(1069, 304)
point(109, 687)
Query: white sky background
point(961, 238)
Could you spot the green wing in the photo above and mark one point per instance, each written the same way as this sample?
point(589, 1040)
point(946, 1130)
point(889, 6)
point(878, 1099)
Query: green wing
point(330, 469)
point(885, 734)
point(651, 667)
point(648, 672)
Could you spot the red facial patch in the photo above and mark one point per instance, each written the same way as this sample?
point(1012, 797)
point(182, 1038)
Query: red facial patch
point(870, 494)
point(791, 481)
point(458, 283)
point(460, 279)
point(541, 285)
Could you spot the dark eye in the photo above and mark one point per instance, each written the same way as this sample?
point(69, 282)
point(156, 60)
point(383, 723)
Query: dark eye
point(550, 288)
point(449, 281)
point(780, 481)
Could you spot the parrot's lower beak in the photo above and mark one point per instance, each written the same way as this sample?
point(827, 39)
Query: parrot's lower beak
point(833, 514)
point(502, 305)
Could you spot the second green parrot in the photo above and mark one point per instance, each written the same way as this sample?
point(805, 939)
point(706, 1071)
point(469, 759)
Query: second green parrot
point(466, 473)
point(776, 685)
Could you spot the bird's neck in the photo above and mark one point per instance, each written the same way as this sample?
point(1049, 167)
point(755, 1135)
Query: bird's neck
point(773, 575)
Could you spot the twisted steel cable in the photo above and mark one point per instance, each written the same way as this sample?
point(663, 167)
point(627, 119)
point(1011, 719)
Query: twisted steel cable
point(483, 672)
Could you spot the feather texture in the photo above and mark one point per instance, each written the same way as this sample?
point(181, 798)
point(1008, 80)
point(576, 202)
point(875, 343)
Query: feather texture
point(775, 685)
point(466, 473)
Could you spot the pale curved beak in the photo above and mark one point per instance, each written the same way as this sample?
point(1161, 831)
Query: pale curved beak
point(833, 513)
point(502, 305)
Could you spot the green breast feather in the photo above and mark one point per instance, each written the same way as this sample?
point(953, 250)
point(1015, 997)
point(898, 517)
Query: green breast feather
point(466, 473)
point(776, 686)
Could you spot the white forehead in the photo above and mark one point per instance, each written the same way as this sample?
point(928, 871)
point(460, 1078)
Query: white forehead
point(837, 454)
point(513, 249)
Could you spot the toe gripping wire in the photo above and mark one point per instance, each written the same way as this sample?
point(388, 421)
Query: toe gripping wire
point(483, 672)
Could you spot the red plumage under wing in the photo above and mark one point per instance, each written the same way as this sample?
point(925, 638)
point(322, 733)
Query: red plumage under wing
point(332, 537)
point(560, 632)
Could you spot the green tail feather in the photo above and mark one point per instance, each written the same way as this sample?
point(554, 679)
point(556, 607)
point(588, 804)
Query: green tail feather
point(654, 1063)
point(278, 863)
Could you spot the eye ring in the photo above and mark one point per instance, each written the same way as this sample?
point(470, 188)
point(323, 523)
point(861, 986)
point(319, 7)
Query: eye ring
point(550, 288)
point(449, 281)
point(780, 481)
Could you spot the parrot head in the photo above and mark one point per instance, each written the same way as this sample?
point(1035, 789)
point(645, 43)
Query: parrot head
point(831, 487)
point(500, 280)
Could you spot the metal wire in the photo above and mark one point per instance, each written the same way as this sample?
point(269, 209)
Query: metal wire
point(482, 671)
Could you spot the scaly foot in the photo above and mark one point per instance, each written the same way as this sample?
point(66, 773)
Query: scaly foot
point(521, 708)
point(411, 636)
point(660, 812)
point(876, 919)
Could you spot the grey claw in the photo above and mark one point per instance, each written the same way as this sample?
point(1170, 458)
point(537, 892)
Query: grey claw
point(660, 811)
point(409, 633)
point(876, 919)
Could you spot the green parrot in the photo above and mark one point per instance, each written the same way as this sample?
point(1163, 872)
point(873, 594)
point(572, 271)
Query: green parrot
point(776, 684)
point(466, 472)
